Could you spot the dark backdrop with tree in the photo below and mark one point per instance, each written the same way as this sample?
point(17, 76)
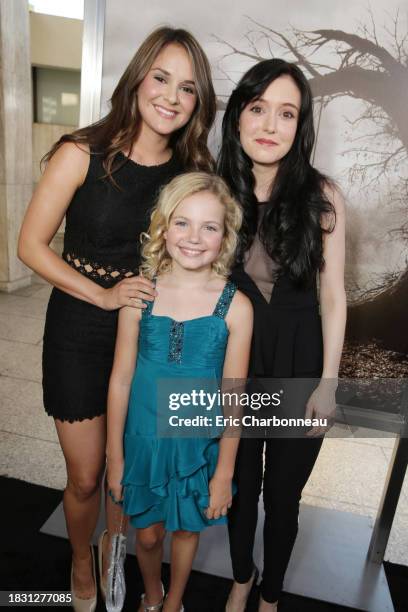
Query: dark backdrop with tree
point(375, 73)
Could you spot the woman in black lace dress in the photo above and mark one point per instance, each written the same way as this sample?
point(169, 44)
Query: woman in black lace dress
point(293, 231)
point(105, 179)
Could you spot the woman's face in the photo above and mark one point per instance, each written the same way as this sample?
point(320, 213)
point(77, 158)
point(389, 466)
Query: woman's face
point(196, 230)
point(167, 96)
point(267, 126)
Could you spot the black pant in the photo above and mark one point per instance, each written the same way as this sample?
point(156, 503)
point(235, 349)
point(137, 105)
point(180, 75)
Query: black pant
point(288, 464)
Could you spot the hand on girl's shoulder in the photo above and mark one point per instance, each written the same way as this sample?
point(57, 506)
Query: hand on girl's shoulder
point(241, 312)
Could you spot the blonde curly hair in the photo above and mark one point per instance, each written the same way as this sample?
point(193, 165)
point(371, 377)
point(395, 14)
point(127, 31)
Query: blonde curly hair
point(155, 258)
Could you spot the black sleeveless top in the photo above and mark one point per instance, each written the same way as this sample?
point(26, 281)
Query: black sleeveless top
point(104, 221)
point(287, 338)
point(102, 241)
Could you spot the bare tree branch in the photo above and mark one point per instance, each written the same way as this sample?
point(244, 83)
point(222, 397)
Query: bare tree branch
point(300, 58)
point(235, 51)
point(356, 43)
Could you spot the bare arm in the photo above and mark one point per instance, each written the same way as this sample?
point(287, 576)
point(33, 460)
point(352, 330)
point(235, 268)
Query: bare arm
point(240, 324)
point(118, 395)
point(333, 307)
point(64, 174)
point(332, 292)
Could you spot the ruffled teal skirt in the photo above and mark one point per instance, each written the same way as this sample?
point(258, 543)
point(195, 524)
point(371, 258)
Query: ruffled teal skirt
point(167, 480)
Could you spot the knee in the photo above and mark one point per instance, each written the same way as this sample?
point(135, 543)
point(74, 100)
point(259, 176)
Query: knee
point(83, 487)
point(149, 539)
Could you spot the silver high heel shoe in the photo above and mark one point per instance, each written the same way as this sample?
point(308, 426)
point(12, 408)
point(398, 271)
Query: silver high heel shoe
point(79, 604)
point(152, 608)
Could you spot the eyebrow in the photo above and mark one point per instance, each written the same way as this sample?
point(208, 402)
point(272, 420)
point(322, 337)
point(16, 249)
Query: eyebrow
point(167, 73)
point(283, 103)
point(187, 219)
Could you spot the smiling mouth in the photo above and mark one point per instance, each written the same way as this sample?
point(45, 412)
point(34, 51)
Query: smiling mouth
point(164, 112)
point(267, 142)
point(190, 252)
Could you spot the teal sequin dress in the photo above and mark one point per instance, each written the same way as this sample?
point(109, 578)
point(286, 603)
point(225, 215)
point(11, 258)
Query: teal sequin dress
point(166, 479)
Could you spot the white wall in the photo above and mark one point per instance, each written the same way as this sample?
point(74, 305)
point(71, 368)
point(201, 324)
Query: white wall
point(56, 41)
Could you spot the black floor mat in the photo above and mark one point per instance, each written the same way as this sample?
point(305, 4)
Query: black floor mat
point(34, 561)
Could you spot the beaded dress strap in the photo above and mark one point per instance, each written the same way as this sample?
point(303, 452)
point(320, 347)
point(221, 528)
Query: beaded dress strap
point(225, 300)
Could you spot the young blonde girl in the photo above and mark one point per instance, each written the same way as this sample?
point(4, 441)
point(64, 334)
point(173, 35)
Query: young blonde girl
point(199, 327)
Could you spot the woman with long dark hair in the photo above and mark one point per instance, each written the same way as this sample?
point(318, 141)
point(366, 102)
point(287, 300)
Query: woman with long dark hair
point(292, 234)
point(105, 178)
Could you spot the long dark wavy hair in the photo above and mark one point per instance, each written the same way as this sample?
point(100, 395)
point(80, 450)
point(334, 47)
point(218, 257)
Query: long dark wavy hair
point(118, 130)
point(291, 229)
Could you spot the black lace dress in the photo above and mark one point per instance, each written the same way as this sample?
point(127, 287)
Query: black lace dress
point(102, 241)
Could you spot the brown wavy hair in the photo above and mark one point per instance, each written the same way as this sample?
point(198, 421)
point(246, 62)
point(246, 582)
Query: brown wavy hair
point(155, 258)
point(118, 130)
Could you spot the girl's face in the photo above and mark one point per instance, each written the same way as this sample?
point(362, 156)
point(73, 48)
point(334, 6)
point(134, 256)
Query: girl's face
point(167, 95)
point(196, 230)
point(267, 126)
